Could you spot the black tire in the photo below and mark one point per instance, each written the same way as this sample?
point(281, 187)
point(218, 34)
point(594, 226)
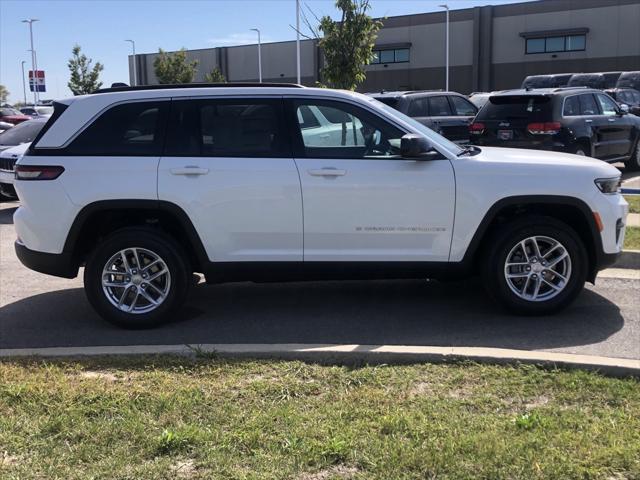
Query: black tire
point(152, 240)
point(509, 235)
point(580, 149)
point(633, 163)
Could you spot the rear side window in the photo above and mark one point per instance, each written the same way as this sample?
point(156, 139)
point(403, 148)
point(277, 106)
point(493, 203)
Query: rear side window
point(130, 129)
point(588, 105)
point(229, 128)
point(418, 108)
point(517, 107)
point(463, 107)
point(439, 107)
point(571, 107)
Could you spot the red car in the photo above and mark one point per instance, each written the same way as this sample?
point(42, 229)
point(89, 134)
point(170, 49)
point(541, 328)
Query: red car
point(11, 115)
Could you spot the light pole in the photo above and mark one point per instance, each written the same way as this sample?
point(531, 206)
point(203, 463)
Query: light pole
point(446, 7)
point(33, 60)
point(24, 85)
point(259, 55)
point(298, 39)
point(135, 70)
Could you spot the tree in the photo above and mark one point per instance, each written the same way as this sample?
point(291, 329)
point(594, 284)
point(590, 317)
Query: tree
point(4, 93)
point(84, 78)
point(174, 67)
point(215, 76)
point(347, 45)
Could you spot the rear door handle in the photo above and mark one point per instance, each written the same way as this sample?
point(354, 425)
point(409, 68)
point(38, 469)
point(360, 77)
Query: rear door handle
point(190, 170)
point(588, 121)
point(327, 172)
point(612, 119)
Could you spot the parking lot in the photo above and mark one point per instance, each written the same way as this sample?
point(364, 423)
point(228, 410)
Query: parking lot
point(41, 311)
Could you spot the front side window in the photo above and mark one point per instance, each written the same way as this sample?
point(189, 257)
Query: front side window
point(463, 107)
point(130, 129)
point(588, 105)
point(571, 107)
point(346, 131)
point(608, 106)
point(439, 107)
point(229, 128)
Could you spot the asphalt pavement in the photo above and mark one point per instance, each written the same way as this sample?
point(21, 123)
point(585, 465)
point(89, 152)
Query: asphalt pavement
point(41, 311)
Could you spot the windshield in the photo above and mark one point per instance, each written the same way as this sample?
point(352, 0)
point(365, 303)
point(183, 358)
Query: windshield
point(5, 111)
point(21, 133)
point(532, 108)
point(417, 126)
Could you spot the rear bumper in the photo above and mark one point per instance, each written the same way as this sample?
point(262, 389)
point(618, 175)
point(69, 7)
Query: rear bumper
point(56, 264)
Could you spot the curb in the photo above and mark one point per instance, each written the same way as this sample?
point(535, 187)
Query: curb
point(335, 353)
point(628, 259)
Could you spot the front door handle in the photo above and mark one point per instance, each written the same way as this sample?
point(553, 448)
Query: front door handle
point(327, 172)
point(612, 119)
point(588, 121)
point(190, 170)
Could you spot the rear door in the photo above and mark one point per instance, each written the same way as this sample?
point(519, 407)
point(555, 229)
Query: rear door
point(228, 165)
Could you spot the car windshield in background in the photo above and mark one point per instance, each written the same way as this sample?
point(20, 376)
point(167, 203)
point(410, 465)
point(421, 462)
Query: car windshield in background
point(9, 111)
point(516, 107)
point(629, 80)
point(22, 133)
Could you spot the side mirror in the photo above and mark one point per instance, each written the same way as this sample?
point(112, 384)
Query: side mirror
point(624, 109)
point(415, 146)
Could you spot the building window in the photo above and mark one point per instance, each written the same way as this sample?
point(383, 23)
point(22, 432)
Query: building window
point(396, 55)
point(566, 43)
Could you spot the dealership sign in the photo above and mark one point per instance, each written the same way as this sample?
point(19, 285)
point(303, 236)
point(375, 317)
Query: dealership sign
point(37, 84)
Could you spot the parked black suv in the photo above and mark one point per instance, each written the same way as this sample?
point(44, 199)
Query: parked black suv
point(448, 113)
point(546, 81)
point(575, 120)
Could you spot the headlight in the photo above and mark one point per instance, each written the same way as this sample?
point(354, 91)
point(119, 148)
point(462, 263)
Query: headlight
point(609, 185)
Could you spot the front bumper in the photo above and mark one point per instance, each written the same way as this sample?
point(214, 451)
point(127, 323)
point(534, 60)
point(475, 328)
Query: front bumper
point(56, 264)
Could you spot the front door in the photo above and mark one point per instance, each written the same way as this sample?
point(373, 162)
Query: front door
point(616, 128)
point(361, 200)
point(228, 165)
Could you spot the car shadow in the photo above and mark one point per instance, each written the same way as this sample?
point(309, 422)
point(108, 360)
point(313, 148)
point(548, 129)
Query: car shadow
point(6, 215)
point(402, 312)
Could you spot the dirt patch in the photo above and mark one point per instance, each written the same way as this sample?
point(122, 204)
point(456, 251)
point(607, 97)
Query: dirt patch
point(431, 389)
point(8, 460)
point(184, 469)
point(340, 471)
point(536, 402)
point(106, 376)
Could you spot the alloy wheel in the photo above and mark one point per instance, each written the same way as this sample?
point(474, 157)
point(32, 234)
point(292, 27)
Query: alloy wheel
point(136, 280)
point(537, 268)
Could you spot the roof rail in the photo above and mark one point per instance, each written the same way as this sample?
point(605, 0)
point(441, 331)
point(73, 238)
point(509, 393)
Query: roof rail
point(561, 89)
point(197, 85)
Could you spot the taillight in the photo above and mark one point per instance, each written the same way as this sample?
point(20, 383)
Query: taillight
point(38, 172)
point(476, 128)
point(546, 128)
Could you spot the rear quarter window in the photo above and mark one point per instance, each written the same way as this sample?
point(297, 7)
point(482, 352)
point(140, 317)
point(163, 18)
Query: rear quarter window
point(515, 107)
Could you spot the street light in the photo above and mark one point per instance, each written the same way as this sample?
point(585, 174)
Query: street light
point(446, 7)
point(33, 60)
point(259, 55)
point(298, 40)
point(24, 86)
point(135, 70)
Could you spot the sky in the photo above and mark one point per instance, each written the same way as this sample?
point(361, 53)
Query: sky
point(101, 26)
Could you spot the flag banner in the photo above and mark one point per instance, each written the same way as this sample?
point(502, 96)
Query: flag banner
point(37, 83)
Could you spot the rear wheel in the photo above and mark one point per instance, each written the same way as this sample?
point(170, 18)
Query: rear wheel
point(535, 266)
point(137, 278)
point(579, 149)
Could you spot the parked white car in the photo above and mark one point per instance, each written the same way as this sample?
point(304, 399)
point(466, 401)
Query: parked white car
point(145, 185)
point(8, 159)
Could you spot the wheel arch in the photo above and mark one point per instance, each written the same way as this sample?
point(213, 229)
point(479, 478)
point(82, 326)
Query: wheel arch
point(570, 210)
point(100, 218)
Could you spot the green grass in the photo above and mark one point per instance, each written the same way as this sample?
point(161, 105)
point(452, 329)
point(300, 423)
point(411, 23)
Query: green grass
point(632, 238)
point(165, 417)
point(634, 203)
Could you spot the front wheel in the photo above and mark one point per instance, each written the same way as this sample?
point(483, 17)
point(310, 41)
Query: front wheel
point(137, 278)
point(536, 266)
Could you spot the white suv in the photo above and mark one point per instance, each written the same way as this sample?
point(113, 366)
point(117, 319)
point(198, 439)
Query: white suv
point(144, 186)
